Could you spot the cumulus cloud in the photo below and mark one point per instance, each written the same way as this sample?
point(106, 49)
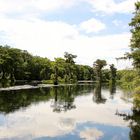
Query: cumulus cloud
point(92, 25)
point(33, 7)
point(53, 38)
point(110, 6)
point(91, 134)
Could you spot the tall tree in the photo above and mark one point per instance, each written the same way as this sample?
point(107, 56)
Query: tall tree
point(69, 58)
point(98, 65)
point(113, 71)
point(135, 40)
point(70, 67)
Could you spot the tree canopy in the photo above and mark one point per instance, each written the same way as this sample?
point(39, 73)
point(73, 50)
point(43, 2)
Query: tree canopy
point(135, 40)
point(98, 65)
point(17, 65)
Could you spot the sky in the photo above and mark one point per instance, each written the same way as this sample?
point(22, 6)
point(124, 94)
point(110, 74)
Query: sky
point(90, 29)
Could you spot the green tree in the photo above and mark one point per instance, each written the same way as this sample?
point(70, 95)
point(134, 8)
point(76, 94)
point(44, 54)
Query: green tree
point(69, 58)
point(135, 40)
point(61, 66)
point(54, 76)
point(98, 66)
point(39, 68)
point(11, 62)
point(70, 67)
point(84, 72)
point(113, 72)
point(105, 75)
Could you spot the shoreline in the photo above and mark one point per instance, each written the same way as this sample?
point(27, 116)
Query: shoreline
point(23, 87)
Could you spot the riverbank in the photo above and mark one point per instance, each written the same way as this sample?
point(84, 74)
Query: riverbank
point(22, 87)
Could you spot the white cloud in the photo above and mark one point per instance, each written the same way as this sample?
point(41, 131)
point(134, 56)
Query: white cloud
point(52, 39)
point(33, 7)
point(39, 37)
point(91, 134)
point(35, 118)
point(53, 4)
point(92, 25)
point(110, 6)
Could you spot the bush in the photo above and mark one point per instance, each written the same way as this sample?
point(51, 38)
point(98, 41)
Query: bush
point(137, 90)
point(128, 79)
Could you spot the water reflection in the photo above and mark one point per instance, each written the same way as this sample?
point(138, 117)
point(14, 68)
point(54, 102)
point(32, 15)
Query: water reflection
point(134, 122)
point(64, 112)
point(112, 88)
point(97, 95)
point(62, 97)
point(11, 101)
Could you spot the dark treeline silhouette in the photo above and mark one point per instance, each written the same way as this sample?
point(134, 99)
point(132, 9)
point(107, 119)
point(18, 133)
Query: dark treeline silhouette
point(18, 65)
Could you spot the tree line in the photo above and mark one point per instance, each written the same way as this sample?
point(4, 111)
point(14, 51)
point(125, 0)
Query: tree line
point(16, 64)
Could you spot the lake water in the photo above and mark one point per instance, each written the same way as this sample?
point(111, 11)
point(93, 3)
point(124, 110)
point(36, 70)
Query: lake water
point(66, 113)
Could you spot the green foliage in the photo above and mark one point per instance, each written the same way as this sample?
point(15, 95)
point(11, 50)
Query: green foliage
point(137, 90)
point(113, 71)
point(54, 76)
point(39, 68)
point(16, 64)
point(105, 75)
point(70, 67)
point(137, 98)
point(98, 65)
point(135, 40)
point(12, 63)
point(84, 72)
point(128, 79)
point(69, 58)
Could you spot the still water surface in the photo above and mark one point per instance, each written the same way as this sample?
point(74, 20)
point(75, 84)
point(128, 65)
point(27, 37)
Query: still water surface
point(65, 113)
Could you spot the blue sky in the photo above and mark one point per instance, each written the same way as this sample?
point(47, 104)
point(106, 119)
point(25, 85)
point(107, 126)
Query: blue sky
point(91, 29)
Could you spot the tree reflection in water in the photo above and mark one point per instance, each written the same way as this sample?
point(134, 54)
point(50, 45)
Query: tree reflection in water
point(97, 95)
point(134, 121)
point(112, 88)
point(62, 97)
